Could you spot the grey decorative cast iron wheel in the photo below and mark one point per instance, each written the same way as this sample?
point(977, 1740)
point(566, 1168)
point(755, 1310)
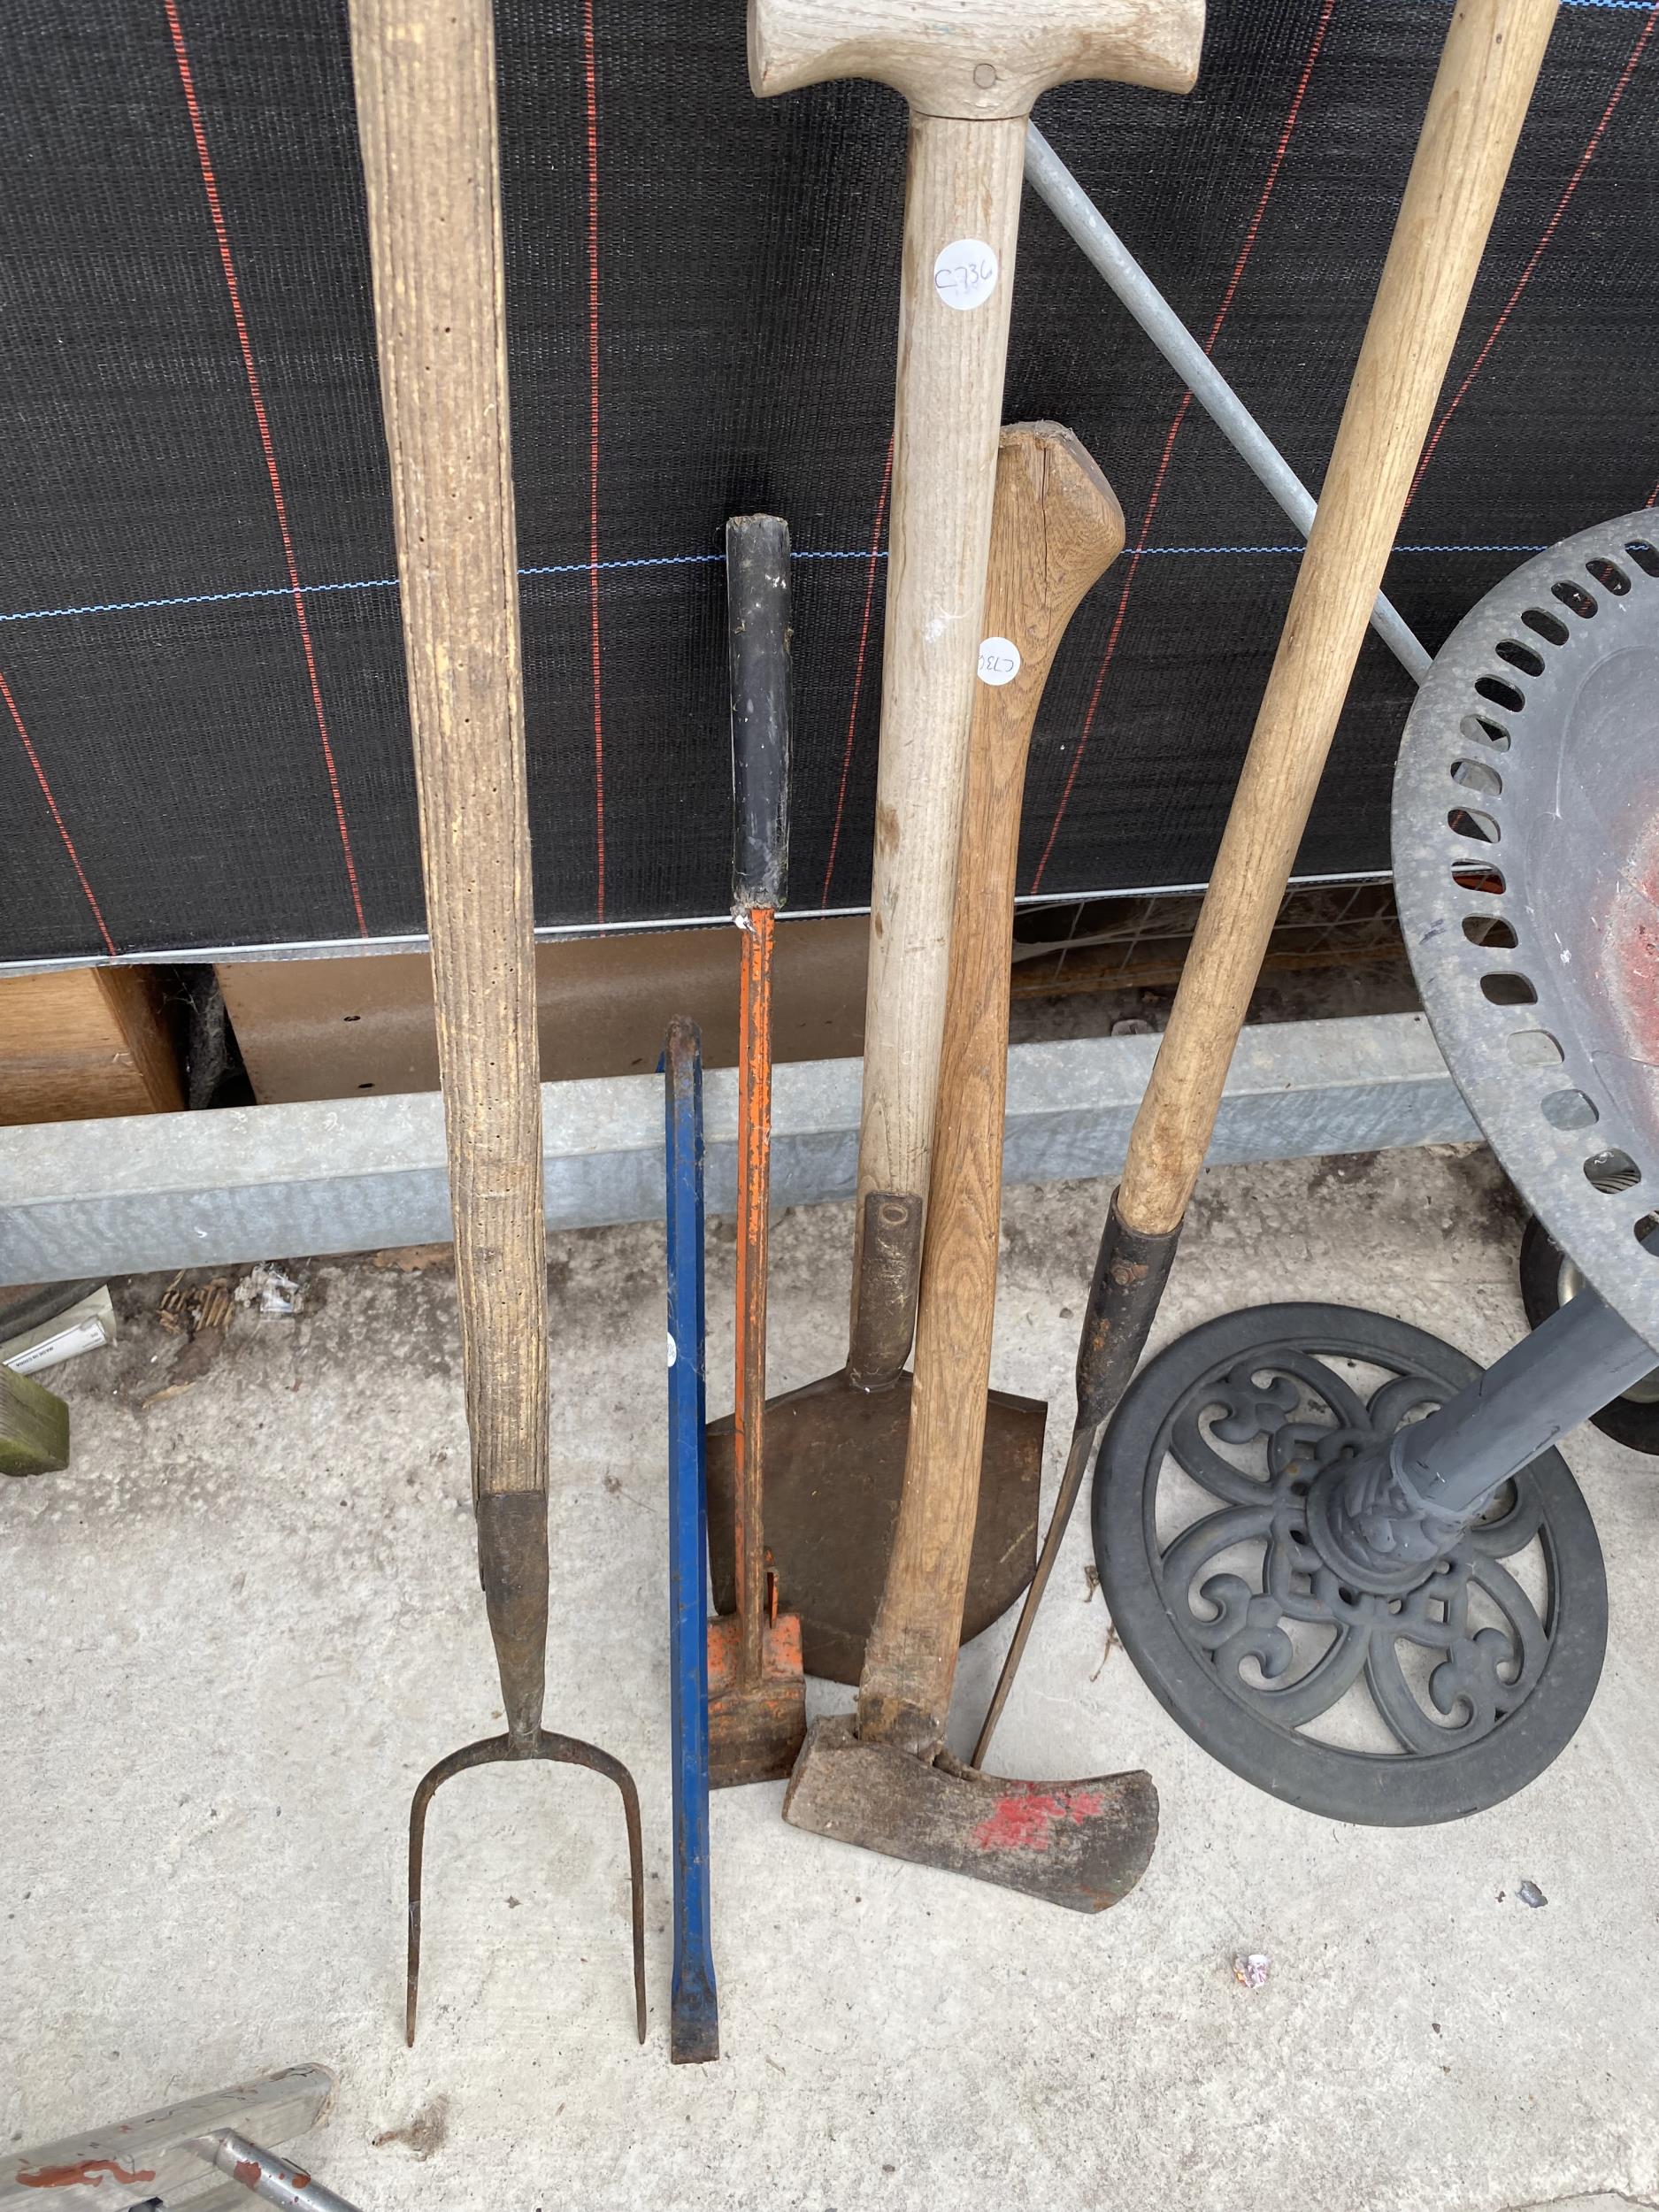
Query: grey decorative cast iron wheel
point(1397, 1710)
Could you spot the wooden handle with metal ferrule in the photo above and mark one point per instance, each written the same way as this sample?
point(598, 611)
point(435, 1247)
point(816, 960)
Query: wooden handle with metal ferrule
point(1057, 528)
point(970, 70)
point(1487, 71)
point(425, 88)
point(961, 226)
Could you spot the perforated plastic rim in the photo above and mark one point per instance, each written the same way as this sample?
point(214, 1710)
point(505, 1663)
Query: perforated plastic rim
point(1531, 641)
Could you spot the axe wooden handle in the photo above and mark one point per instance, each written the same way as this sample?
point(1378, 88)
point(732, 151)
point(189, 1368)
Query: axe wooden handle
point(1056, 527)
point(425, 85)
point(1487, 71)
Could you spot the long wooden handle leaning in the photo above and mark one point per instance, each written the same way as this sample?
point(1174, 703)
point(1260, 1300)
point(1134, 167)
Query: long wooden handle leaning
point(426, 86)
point(1057, 527)
point(1487, 73)
point(961, 226)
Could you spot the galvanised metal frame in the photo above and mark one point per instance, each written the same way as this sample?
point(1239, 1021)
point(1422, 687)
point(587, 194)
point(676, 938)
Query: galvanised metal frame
point(91, 1198)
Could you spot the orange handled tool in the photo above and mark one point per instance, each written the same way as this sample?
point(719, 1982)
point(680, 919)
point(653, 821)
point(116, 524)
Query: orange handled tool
point(756, 1690)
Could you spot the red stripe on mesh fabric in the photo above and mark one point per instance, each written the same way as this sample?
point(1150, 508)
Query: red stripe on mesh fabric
point(590, 63)
point(1143, 534)
point(63, 827)
point(210, 185)
point(858, 669)
point(1550, 228)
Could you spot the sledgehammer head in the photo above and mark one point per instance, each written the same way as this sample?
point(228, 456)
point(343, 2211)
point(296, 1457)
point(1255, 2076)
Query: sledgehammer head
point(1080, 1844)
point(974, 58)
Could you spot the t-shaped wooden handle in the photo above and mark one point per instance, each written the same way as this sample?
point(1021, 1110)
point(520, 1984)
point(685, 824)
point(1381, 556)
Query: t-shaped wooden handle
point(970, 69)
point(974, 58)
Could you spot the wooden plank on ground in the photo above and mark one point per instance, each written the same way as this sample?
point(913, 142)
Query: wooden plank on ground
point(33, 1427)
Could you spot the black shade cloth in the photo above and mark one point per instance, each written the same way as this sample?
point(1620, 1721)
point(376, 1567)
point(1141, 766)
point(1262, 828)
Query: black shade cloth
point(702, 295)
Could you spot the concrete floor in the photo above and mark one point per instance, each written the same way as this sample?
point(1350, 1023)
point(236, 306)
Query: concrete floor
point(245, 1621)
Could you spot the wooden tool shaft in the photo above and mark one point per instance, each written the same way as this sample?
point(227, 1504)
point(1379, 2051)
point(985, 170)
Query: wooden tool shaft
point(754, 1201)
point(1057, 527)
point(426, 86)
point(960, 226)
point(426, 82)
point(1487, 71)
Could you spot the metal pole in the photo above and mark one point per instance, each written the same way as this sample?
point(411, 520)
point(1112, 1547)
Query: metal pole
point(1078, 215)
point(1383, 1519)
point(264, 2174)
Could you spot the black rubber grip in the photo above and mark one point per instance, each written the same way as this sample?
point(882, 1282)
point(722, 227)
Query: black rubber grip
point(758, 626)
point(1123, 1302)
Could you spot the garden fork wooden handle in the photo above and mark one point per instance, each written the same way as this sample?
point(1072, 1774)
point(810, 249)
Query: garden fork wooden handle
point(426, 76)
point(426, 86)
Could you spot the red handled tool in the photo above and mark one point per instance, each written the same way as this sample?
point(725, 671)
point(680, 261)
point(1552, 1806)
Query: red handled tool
point(756, 1690)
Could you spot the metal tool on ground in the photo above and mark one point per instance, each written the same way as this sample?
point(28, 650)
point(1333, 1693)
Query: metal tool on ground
point(1490, 59)
point(884, 1778)
point(970, 70)
point(695, 2018)
point(1408, 1562)
point(425, 90)
point(163, 2157)
point(757, 1689)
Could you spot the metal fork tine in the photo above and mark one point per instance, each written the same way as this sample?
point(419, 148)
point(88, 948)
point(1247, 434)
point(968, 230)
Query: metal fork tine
point(556, 1750)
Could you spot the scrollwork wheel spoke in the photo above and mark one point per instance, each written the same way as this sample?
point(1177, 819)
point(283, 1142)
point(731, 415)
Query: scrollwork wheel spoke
point(1329, 1679)
point(1522, 1614)
point(1180, 1566)
point(1412, 1728)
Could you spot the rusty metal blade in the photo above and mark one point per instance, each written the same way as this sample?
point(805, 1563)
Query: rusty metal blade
point(835, 1468)
point(1084, 1845)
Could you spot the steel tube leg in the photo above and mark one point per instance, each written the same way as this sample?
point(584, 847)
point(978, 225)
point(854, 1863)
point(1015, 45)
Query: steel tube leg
point(1077, 214)
point(1383, 1519)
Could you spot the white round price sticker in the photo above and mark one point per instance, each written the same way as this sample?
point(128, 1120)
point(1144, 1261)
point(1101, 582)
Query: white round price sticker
point(999, 661)
point(965, 273)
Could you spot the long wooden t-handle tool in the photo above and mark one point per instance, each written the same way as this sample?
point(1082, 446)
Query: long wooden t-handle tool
point(884, 1779)
point(1488, 67)
point(425, 88)
point(971, 70)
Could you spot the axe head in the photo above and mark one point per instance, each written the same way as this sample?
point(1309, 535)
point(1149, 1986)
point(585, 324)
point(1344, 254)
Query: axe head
point(1084, 1845)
